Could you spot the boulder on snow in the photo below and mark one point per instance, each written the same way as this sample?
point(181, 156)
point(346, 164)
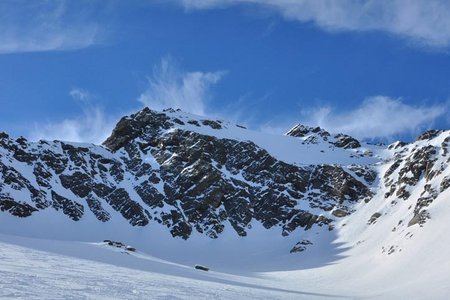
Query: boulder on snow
point(373, 219)
point(202, 268)
point(120, 245)
point(114, 243)
point(301, 246)
point(419, 218)
point(340, 213)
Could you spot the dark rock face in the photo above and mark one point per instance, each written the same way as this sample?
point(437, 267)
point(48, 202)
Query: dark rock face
point(418, 165)
point(419, 218)
point(346, 141)
point(373, 219)
point(119, 245)
point(70, 208)
point(303, 130)
point(428, 135)
point(152, 171)
point(96, 207)
point(314, 135)
point(202, 268)
point(120, 200)
point(129, 128)
point(16, 208)
point(301, 246)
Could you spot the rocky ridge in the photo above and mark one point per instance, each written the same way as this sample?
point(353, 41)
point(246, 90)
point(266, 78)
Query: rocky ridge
point(190, 174)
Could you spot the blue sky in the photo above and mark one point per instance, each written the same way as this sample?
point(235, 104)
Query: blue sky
point(374, 69)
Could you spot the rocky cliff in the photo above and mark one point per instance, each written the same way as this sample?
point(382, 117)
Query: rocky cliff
point(190, 173)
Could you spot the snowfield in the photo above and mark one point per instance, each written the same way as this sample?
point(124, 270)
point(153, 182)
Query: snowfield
point(51, 269)
point(44, 269)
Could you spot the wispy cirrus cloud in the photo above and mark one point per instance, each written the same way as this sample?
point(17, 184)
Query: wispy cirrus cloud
point(168, 87)
point(377, 117)
point(39, 25)
point(424, 22)
point(91, 126)
point(171, 87)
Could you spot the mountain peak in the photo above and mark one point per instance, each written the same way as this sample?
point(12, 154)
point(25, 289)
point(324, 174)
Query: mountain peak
point(130, 127)
point(316, 135)
point(301, 130)
point(148, 123)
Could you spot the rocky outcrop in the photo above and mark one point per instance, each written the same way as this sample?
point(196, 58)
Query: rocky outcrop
point(315, 135)
point(300, 130)
point(15, 208)
point(301, 246)
point(421, 166)
point(346, 141)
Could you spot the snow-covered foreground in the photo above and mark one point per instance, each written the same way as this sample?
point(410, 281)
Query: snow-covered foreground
point(38, 268)
point(354, 261)
point(44, 269)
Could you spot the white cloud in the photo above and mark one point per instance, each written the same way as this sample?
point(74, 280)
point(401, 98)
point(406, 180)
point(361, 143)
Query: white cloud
point(426, 22)
point(92, 126)
point(34, 26)
point(170, 87)
point(376, 117)
point(81, 95)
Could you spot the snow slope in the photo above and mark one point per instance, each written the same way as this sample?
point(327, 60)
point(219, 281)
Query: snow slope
point(34, 268)
point(37, 269)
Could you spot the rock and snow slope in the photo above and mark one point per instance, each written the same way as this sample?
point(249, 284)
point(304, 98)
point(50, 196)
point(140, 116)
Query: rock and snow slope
point(312, 213)
point(187, 174)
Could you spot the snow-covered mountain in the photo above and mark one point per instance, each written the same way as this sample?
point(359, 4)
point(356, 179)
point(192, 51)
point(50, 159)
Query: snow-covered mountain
point(190, 189)
point(189, 174)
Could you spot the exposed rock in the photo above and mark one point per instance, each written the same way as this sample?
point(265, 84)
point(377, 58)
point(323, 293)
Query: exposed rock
point(16, 208)
point(339, 213)
point(202, 268)
point(346, 141)
point(428, 135)
point(419, 218)
point(373, 219)
point(368, 174)
point(194, 122)
point(130, 210)
point(445, 183)
point(301, 246)
point(120, 245)
point(132, 127)
point(131, 249)
point(315, 135)
point(397, 145)
point(96, 207)
point(212, 124)
point(70, 208)
point(303, 130)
